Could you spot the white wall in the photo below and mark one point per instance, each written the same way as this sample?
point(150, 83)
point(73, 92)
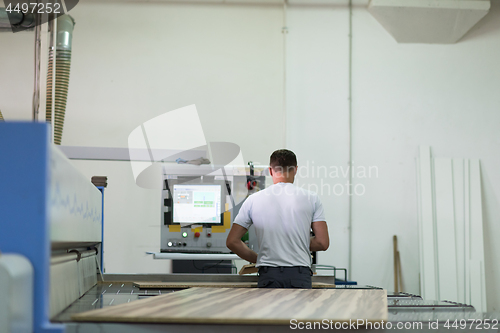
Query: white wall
point(149, 58)
point(317, 111)
point(134, 61)
point(445, 96)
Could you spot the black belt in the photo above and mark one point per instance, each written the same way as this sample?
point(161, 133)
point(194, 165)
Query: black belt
point(300, 269)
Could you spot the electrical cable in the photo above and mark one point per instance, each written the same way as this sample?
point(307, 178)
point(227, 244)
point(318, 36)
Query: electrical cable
point(36, 90)
point(284, 31)
point(350, 139)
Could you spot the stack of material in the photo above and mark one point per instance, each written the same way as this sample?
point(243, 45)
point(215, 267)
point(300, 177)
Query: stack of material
point(451, 230)
point(100, 181)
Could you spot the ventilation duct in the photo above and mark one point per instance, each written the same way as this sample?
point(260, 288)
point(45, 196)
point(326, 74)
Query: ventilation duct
point(65, 25)
point(428, 21)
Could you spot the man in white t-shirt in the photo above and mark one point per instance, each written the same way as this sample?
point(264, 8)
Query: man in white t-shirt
point(283, 216)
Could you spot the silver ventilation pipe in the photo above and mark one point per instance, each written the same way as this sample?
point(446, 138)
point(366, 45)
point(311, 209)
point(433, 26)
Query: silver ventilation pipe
point(65, 25)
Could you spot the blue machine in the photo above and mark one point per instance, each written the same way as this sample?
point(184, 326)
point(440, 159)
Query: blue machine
point(44, 201)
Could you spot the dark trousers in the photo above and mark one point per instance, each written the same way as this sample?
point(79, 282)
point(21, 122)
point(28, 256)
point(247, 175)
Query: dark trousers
point(285, 277)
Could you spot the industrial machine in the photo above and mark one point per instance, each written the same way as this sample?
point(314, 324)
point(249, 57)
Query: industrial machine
point(51, 238)
point(51, 230)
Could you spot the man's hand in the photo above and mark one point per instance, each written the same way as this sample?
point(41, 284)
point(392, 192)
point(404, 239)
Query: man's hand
point(234, 243)
point(321, 240)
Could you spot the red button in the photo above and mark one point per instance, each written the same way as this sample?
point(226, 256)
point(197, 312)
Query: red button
point(196, 234)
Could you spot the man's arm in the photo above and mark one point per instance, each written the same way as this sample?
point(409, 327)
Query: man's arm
point(234, 243)
point(321, 240)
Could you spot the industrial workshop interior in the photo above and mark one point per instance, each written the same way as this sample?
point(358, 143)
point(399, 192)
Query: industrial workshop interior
point(249, 166)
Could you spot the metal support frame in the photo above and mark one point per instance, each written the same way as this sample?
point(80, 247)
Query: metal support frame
point(335, 269)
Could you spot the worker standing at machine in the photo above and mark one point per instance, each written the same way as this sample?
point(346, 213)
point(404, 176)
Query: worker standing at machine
point(283, 215)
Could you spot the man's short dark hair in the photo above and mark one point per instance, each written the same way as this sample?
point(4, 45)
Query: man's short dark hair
point(283, 160)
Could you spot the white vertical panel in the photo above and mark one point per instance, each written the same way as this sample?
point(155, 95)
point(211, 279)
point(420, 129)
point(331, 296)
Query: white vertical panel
point(445, 230)
point(476, 232)
point(467, 230)
point(459, 205)
point(484, 304)
point(429, 274)
point(476, 283)
point(476, 213)
point(420, 235)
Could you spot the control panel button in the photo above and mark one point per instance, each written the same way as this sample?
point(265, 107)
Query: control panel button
point(197, 234)
point(209, 234)
point(169, 244)
point(184, 234)
point(209, 244)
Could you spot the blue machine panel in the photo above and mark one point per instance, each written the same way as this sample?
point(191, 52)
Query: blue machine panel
point(25, 199)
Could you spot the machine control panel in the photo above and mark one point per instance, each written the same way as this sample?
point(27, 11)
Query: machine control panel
point(197, 212)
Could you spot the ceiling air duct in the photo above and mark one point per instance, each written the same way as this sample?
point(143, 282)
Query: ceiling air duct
point(428, 21)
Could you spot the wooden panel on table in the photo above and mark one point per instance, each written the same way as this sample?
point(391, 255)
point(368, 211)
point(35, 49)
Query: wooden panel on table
point(428, 276)
point(248, 306)
point(182, 285)
point(459, 206)
point(445, 230)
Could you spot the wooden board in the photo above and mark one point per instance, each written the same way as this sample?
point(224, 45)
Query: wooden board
point(445, 230)
point(248, 306)
point(183, 285)
point(248, 269)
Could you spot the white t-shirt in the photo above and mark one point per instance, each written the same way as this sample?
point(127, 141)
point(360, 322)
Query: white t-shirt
point(282, 215)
